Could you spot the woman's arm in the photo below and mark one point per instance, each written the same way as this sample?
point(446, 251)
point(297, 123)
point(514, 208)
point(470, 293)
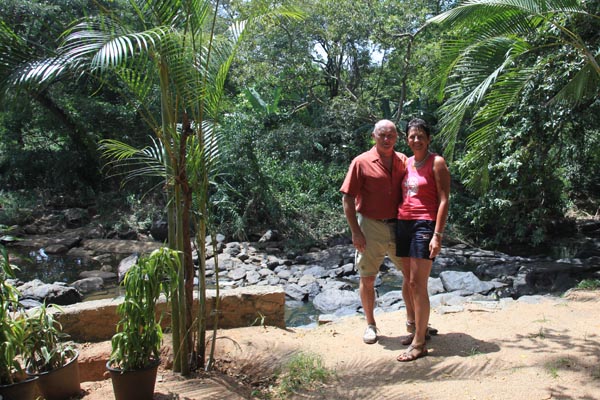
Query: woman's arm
point(442, 183)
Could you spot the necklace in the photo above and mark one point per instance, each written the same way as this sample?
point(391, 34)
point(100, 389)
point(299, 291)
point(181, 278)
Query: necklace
point(419, 164)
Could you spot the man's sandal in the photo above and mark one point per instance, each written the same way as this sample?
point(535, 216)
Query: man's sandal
point(412, 353)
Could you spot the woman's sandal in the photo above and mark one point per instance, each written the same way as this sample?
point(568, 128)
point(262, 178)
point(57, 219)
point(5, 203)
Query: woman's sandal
point(412, 353)
point(410, 327)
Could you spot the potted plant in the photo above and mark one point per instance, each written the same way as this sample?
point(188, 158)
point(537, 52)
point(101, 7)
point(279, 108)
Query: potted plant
point(135, 353)
point(14, 383)
point(49, 357)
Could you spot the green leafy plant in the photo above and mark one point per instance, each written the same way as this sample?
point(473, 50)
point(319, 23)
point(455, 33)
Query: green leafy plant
point(12, 325)
point(45, 346)
point(139, 334)
point(589, 284)
point(303, 370)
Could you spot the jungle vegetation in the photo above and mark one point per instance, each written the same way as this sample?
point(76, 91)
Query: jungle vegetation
point(511, 88)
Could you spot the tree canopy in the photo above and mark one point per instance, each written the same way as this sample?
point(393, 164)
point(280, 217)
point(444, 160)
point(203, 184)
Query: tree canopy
point(510, 87)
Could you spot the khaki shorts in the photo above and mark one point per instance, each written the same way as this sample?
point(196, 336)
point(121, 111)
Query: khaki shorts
point(381, 241)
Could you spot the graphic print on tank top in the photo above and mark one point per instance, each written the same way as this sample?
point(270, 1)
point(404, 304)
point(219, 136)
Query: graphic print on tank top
point(412, 186)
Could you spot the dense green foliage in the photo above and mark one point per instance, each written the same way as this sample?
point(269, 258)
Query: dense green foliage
point(302, 97)
point(13, 329)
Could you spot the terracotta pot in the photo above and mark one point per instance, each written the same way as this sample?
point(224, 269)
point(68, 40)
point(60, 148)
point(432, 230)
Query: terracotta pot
point(60, 383)
point(24, 390)
point(135, 384)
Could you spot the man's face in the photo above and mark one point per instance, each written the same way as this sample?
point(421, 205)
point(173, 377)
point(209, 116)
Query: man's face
point(385, 138)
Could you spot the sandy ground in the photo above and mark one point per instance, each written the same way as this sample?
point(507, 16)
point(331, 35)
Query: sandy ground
point(549, 350)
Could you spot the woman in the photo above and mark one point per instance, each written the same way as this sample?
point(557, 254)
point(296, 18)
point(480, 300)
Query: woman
point(421, 222)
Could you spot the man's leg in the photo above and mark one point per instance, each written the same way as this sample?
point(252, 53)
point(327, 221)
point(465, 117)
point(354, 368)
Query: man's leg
point(367, 297)
point(368, 264)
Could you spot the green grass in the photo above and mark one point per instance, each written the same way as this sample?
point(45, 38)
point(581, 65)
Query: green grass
point(302, 371)
point(589, 284)
point(539, 335)
point(474, 351)
point(554, 367)
point(542, 320)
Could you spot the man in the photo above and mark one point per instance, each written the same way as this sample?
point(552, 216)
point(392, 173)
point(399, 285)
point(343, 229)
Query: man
point(371, 194)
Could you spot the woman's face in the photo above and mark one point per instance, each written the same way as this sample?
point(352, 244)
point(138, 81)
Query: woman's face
point(417, 140)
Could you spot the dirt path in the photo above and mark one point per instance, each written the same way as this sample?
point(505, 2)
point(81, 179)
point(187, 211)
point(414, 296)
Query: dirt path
point(549, 350)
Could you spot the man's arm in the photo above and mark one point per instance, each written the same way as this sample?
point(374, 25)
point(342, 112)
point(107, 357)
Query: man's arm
point(358, 239)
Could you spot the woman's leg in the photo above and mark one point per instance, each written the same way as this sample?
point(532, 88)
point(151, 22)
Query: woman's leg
point(406, 291)
point(420, 269)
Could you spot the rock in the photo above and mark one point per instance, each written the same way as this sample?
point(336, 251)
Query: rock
point(125, 265)
point(28, 304)
point(50, 293)
point(435, 286)
point(237, 274)
point(159, 230)
point(344, 270)
point(76, 217)
point(87, 285)
point(284, 274)
point(252, 277)
point(104, 275)
point(269, 236)
point(332, 299)
point(225, 260)
point(80, 252)
point(306, 280)
point(390, 298)
point(488, 271)
point(315, 270)
point(296, 292)
point(465, 281)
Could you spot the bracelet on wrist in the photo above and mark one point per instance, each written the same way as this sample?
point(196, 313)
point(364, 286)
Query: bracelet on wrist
point(439, 234)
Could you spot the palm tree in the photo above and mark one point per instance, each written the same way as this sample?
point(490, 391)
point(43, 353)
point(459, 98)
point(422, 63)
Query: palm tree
point(174, 54)
point(497, 48)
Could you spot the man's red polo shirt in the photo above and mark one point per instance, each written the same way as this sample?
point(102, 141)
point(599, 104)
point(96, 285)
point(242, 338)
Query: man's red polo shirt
point(377, 191)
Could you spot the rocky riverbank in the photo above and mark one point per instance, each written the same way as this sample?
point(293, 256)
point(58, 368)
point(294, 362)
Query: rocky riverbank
point(325, 278)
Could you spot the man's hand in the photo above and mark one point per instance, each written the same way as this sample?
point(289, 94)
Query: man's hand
point(359, 241)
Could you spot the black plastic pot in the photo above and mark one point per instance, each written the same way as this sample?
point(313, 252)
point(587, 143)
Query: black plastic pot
point(60, 383)
point(134, 384)
point(24, 390)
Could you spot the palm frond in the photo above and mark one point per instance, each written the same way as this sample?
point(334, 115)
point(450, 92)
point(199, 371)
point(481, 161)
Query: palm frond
point(482, 142)
point(477, 69)
point(582, 86)
point(131, 162)
point(471, 11)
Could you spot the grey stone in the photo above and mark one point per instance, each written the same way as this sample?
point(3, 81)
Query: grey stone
point(333, 299)
point(87, 285)
point(296, 292)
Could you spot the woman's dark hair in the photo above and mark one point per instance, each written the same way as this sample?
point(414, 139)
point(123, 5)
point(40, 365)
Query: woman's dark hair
point(419, 124)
